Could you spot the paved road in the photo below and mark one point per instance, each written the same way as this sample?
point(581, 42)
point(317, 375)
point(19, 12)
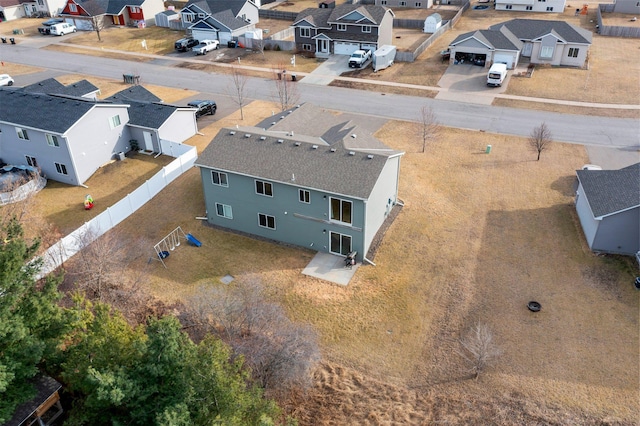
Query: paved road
point(596, 131)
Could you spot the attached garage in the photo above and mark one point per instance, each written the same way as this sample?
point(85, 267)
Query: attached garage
point(205, 34)
point(81, 24)
point(371, 47)
point(505, 58)
point(345, 48)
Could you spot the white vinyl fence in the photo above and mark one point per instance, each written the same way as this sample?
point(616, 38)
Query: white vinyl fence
point(71, 244)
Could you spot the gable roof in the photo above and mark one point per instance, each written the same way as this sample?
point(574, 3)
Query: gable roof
point(9, 3)
point(216, 6)
point(135, 93)
point(322, 18)
point(491, 39)
point(611, 191)
point(531, 29)
point(317, 159)
point(40, 111)
point(150, 115)
point(52, 86)
point(108, 7)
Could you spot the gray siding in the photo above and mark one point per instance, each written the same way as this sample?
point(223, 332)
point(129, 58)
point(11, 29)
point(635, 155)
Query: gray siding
point(589, 224)
point(179, 127)
point(626, 6)
point(619, 233)
point(297, 223)
point(382, 200)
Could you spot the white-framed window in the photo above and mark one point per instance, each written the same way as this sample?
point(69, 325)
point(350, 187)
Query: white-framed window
point(339, 243)
point(22, 134)
point(61, 168)
point(573, 52)
point(542, 1)
point(304, 196)
point(342, 27)
point(31, 161)
point(135, 9)
point(366, 28)
point(201, 15)
point(219, 178)
point(549, 8)
point(264, 188)
point(224, 210)
point(509, 7)
point(52, 140)
point(114, 121)
point(266, 221)
point(341, 210)
point(73, 7)
point(546, 52)
point(41, 2)
point(403, 3)
point(187, 17)
point(529, 7)
point(306, 47)
point(305, 32)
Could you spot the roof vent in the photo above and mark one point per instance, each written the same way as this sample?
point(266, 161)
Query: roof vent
point(297, 143)
point(280, 140)
point(247, 135)
point(232, 132)
point(333, 150)
point(291, 134)
point(281, 117)
point(370, 157)
point(273, 123)
point(314, 146)
point(262, 138)
point(352, 153)
point(354, 135)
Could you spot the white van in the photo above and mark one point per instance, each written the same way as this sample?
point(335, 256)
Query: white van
point(62, 29)
point(497, 74)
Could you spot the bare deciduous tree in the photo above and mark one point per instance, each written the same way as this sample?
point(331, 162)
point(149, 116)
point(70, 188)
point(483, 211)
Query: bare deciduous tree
point(478, 348)
point(429, 126)
point(238, 89)
point(540, 139)
point(97, 23)
point(286, 91)
point(280, 353)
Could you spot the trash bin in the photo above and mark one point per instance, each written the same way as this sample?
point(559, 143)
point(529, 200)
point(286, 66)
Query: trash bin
point(294, 77)
point(637, 283)
point(4, 39)
point(12, 40)
point(232, 44)
point(488, 150)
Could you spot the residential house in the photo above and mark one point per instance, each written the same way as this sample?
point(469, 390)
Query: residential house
point(627, 6)
point(70, 147)
point(412, 4)
point(608, 206)
point(556, 6)
point(219, 19)
point(304, 177)
point(12, 9)
point(344, 29)
point(67, 147)
point(136, 13)
point(51, 86)
point(539, 41)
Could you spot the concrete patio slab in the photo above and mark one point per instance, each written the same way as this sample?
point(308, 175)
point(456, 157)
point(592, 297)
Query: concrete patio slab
point(329, 267)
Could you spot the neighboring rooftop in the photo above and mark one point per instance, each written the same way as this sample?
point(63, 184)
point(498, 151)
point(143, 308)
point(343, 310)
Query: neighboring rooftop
point(51, 86)
point(611, 191)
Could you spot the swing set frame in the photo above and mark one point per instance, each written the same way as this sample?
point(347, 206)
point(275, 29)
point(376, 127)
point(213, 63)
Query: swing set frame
point(169, 244)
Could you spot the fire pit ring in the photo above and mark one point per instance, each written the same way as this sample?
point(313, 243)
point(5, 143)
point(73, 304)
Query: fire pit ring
point(534, 306)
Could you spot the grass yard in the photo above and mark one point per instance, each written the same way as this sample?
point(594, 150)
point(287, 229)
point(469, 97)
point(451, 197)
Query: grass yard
point(480, 235)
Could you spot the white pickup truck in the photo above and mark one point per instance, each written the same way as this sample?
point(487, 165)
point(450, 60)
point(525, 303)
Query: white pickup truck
point(206, 46)
point(359, 58)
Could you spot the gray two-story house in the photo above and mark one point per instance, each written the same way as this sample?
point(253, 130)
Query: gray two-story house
point(343, 29)
point(219, 20)
point(50, 132)
point(304, 177)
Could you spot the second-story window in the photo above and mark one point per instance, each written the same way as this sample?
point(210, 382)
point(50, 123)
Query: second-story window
point(342, 27)
point(52, 140)
point(304, 196)
point(341, 210)
point(73, 8)
point(366, 29)
point(305, 32)
point(114, 121)
point(264, 188)
point(219, 178)
point(22, 134)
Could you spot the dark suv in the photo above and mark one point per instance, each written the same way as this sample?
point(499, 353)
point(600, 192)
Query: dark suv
point(204, 107)
point(185, 44)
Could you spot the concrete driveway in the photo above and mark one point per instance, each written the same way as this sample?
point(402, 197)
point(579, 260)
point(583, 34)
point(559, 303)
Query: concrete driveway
point(468, 83)
point(333, 67)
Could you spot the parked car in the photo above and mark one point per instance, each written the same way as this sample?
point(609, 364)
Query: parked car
point(591, 167)
point(359, 58)
point(203, 107)
point(206, 46)
point(45, 29)
point(62, 29)
point(185, 44)
point(6, 80)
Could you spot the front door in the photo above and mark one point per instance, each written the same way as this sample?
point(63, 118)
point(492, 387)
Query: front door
point(339, 243)
point(323, 46)
point(526, 49)
point(148, 142)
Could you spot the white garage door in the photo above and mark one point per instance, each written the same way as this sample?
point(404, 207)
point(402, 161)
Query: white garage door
point(81, 24)
point(342, 48)
point(371, 47)
point(503, 58)
point(204, 35)
point(224, 38)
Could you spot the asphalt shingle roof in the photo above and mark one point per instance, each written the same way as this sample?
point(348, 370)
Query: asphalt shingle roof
point(52, 86)
point(41, 111)
point(134, 93)
point(322, 17)
point(611, 191)
point(215, 6)
point(530, 29)
point(289, 157)
point(494, 39)
point(109, 7)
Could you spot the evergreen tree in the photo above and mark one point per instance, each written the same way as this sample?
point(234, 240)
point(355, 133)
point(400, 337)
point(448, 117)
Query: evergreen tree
point(30, 320)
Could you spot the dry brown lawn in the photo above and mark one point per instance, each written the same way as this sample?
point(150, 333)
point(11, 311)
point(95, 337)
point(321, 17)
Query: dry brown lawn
point(17, 69)
point(159, 40)
point(480, 235)
point(619, 20)
point(568, 109)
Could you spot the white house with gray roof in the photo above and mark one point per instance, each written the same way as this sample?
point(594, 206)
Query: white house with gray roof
point(608, 205)
point(549, 6)
point(221, 20)
point(539, 41)
point(305, 177)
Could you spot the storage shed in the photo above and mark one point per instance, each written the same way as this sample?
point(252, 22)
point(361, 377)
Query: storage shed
point(432, 23)
point(163, 18)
